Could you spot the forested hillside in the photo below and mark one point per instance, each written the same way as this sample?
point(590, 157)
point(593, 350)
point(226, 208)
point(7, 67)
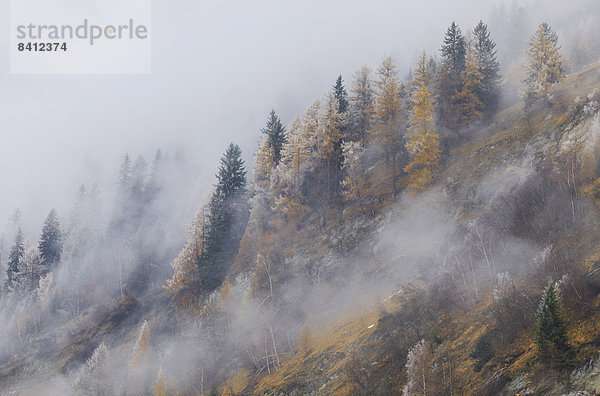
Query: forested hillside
point(427, 234)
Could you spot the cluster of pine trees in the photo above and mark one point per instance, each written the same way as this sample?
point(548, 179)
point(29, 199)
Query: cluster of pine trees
point(29, 267)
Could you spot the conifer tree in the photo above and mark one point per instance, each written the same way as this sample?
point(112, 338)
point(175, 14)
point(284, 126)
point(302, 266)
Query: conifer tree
point(289, 201)
point(232, 173)
point(545, 67)
point(160, 389)
point(141, 349)
point(51, 243)
point(16, 254)
point(454, 48)
point(484, 52)
point(226, 214)
point(275, 132)
point(470, 106)
point(356, 181)
point(125, 175)
point(94, 378)
point(264, 164)
point(332, 141)
point(388, 129)
point(362, 104)
point(424, 74)
point(294, 155)
point(419, 370)
point(138, 181)
point(423, 142)
point(339, 91)
point(551, 335)
point(183, 283)
point(30, 270)
point(45, 289)
point(449, 82)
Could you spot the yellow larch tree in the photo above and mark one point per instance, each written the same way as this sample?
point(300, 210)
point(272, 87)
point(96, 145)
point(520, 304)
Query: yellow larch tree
point(545, 66)
point(362, 104)
point(423, 143)
point(141, 349)
point(264, 164)
point(389, 119)
point(185, 265)
point(160, 389)
point(469, 105)
point(332, 141)
point(423, 74)
point(295, 156)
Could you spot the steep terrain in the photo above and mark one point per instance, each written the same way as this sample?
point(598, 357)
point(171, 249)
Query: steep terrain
point(354, 296)
point(513, 170)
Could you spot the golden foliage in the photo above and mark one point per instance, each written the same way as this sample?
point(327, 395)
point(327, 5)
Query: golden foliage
point(264, 164)
point(160, 389)
point(423, 143)
point(142, 348)
point(227, 392)
point(470, 106)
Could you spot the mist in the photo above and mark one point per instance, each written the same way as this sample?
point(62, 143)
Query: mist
point(217, 71)
point(209, 60)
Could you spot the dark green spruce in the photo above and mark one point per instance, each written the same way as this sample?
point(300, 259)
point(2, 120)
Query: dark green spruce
point(276, 136)
point(551, 335)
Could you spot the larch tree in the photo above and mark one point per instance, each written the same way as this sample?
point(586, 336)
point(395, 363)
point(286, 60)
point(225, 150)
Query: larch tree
point(545, 65)
point(276, 136)
point(419, 370)
point(45, 290)
point(332, 140)
point(423, 142)
point(423, 74)
point(470, 106)
point(355, 182)
point(94, 378)
point(296, 155)
point(14, 257)
point(449, 81)
point(225, 297)
point(362, 104)
point(141, 350)
point(30, 270)
point(125, 175)
point(184, 282)
point(484, 52)
point(160, 388)
point(551, 334)
point(51, 242)
point(309, 154)
point(388, 128)
point(265, 163)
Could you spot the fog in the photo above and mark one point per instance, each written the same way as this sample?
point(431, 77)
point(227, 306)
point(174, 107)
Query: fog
point(217, 70)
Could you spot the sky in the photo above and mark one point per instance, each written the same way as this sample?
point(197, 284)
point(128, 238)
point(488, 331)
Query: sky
point(218, 68)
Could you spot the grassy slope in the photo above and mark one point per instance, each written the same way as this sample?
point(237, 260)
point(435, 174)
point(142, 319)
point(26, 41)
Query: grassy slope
point(326, 367)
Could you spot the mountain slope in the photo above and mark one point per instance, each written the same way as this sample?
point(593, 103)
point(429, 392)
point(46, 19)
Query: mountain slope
point(508, 177)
